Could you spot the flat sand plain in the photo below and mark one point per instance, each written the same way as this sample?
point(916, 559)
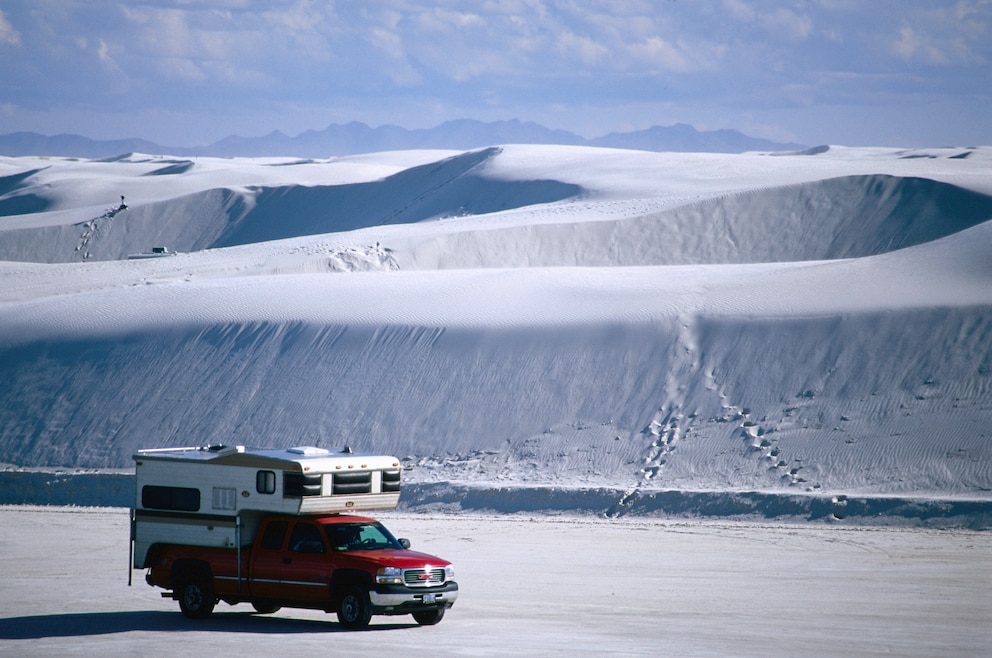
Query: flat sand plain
point(536, 586)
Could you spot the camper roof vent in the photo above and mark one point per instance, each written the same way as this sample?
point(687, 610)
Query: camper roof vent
point(308, 451)
point(220, 449)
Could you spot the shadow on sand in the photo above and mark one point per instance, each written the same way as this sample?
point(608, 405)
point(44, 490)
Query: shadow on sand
point(85, 624)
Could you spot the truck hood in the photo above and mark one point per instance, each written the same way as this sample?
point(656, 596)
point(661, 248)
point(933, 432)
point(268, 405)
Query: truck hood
point(393, 557)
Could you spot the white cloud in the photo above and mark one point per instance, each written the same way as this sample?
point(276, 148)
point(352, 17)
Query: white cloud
point(419, 62)
point(8, 35)
point(739, 10)
point(782, 22)
point(839, 5)
point(957, 34)
point(788, 24)
point(301, 18)
point(661, 54)
point(399, 69)
point(103, 52)
point(441, 20)
point(910, 45)
point(388, 42)
point(973, 18)
point(583, 48)
point(162, 32)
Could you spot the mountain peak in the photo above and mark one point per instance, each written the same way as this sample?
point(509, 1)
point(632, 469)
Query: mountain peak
point(357, 137)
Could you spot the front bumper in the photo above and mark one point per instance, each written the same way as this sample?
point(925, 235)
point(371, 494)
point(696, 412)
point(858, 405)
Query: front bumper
point(399, 599)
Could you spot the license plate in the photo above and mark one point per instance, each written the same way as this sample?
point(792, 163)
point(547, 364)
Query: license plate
point(430, 598)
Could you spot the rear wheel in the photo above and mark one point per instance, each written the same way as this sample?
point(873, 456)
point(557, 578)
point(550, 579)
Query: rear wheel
point(429, 617)
point(265, 607)
point(355, 610)
point(196, 594)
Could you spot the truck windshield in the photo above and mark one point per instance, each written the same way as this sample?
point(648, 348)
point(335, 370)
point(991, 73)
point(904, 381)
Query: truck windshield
point(359, 537)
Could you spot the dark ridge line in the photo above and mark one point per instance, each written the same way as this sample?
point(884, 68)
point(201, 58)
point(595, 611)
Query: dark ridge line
point(95, 489)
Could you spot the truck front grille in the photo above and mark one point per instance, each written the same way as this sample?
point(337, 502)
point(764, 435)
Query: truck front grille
point(423, 577)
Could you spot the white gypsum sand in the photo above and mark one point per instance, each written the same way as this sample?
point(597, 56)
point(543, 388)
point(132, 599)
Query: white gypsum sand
point(538, 587)
point(521, 315)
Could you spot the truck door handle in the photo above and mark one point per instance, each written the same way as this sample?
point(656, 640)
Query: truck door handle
point(287, 560)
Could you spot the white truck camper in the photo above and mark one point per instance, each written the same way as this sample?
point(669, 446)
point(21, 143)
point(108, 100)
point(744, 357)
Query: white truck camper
point(216, 495)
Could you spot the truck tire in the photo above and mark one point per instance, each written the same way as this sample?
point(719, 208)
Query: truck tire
point(429, 617)
point(196, 594)
point(265, 607)
point(355, 609)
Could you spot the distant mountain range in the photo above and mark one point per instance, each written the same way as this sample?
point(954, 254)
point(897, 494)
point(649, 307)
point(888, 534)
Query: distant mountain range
point(356, 137)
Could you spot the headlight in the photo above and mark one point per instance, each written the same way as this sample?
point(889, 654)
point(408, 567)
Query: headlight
point(449, 573)
point(389, 576)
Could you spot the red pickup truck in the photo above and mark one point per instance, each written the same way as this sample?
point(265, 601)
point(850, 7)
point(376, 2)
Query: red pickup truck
point(350, 565)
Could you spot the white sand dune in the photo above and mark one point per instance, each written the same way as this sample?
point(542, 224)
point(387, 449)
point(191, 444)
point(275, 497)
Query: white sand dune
point(522, 315)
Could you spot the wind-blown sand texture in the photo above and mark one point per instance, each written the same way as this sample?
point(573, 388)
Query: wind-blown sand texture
point(513, 316)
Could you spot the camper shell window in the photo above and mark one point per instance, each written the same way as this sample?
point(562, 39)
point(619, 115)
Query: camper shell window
point(265, 482)
point(297, 485)
point(182, 499)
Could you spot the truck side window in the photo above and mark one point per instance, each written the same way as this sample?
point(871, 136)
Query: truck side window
point(344, 537)
point(265, 482)
point(306, 539)
point(274, 534)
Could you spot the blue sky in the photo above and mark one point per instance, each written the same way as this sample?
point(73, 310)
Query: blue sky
point(190, 72)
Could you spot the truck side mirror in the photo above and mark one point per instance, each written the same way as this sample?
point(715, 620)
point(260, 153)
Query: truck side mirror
point(405, 543)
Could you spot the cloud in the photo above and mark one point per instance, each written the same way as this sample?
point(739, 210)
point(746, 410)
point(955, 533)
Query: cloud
point(445, 21)
point(950, 35)
point(583, 48)
point(103, 52)
point(8, 35)
point(781, 22)
point(973, 18)
point(420, 62)
point(660, 54)
point(788, 23)
point(400, 70)
point(739, 10)
point(120, 81)
point(910, 45)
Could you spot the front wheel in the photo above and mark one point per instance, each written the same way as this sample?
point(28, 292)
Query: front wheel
point(196, 595)
point(355, 609)
point(429, 617)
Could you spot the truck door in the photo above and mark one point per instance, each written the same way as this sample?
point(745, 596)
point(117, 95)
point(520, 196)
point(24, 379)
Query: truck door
point(297, 571)
point(266, 561)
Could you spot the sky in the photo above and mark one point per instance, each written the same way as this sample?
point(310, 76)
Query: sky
point(191, 72)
